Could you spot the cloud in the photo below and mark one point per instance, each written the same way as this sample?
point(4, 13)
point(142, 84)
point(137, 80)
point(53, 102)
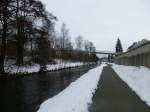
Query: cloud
point(102, 21)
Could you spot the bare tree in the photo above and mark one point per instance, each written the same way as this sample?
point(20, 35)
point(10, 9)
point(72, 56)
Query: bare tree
point(79, 43)
point(63, 36)
point(5, 15)
point(17, 23)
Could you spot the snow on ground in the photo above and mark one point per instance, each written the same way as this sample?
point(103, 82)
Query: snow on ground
point(23, 69)
point(77, 96)
point(138, 79)
point(63, 65)
point(13, 69)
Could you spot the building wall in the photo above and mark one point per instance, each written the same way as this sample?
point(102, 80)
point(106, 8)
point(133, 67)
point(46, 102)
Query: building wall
point(137, 57)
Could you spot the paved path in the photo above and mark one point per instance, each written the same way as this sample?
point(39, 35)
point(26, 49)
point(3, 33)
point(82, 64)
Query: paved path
point(113, 95)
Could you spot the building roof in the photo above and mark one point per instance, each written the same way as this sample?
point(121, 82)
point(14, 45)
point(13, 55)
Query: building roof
point(143, 48)
point(137, 44)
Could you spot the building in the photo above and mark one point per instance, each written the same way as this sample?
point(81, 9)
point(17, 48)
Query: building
point(136, 56)
point(137, 44)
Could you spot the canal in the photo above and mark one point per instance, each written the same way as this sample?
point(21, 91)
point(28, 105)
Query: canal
point(26, 93)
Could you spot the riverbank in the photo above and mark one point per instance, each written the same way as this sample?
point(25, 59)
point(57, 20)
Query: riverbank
point(35, 68)
point(26, 93)
point(71, 99)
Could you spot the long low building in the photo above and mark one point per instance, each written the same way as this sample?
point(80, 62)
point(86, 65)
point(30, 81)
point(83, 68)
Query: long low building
point(139, 56)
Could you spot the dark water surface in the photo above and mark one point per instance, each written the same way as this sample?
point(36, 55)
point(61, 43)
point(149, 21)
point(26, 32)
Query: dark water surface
point(25, 94)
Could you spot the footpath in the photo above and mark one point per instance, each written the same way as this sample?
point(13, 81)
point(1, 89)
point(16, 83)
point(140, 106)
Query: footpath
point(113, 95)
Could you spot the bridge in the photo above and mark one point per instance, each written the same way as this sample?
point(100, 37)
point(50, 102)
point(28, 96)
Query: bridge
point(105, 52)
point(97, 52)
point(100, 54)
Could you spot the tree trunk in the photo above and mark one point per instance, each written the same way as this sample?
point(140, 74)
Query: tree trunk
point(20, 39)
point(20, 45)
point(4, 35)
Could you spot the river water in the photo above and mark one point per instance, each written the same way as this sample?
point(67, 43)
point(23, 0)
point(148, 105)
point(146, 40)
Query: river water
point(26, 93)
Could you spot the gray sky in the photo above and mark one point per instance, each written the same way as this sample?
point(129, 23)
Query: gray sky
point(103, 21)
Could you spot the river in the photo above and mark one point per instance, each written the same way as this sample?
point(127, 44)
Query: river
point(26, 93)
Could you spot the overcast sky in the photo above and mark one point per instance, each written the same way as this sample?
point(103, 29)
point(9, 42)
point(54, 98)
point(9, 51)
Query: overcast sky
point(103, 21)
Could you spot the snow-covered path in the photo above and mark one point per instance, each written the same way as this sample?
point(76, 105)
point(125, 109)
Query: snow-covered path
point(137, 78)
point(76, 97)
point(112, 91)
point(113, 95)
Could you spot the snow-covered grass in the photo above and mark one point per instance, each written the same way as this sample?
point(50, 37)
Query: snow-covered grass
point(11, 68)
point(63, 65)
point(138, 79)
point(77, 96)
point(23, 69)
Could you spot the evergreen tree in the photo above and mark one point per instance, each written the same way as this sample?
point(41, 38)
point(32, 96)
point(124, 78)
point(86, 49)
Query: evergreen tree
point(119, 46)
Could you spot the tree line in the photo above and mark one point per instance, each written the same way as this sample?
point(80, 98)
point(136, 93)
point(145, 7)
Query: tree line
point(27, 29)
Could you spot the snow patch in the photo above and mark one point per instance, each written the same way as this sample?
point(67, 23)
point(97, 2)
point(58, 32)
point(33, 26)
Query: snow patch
point(138, 79)
point(77, 96)
point(13, 69)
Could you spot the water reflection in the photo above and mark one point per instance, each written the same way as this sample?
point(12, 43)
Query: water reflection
point(25, 94)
